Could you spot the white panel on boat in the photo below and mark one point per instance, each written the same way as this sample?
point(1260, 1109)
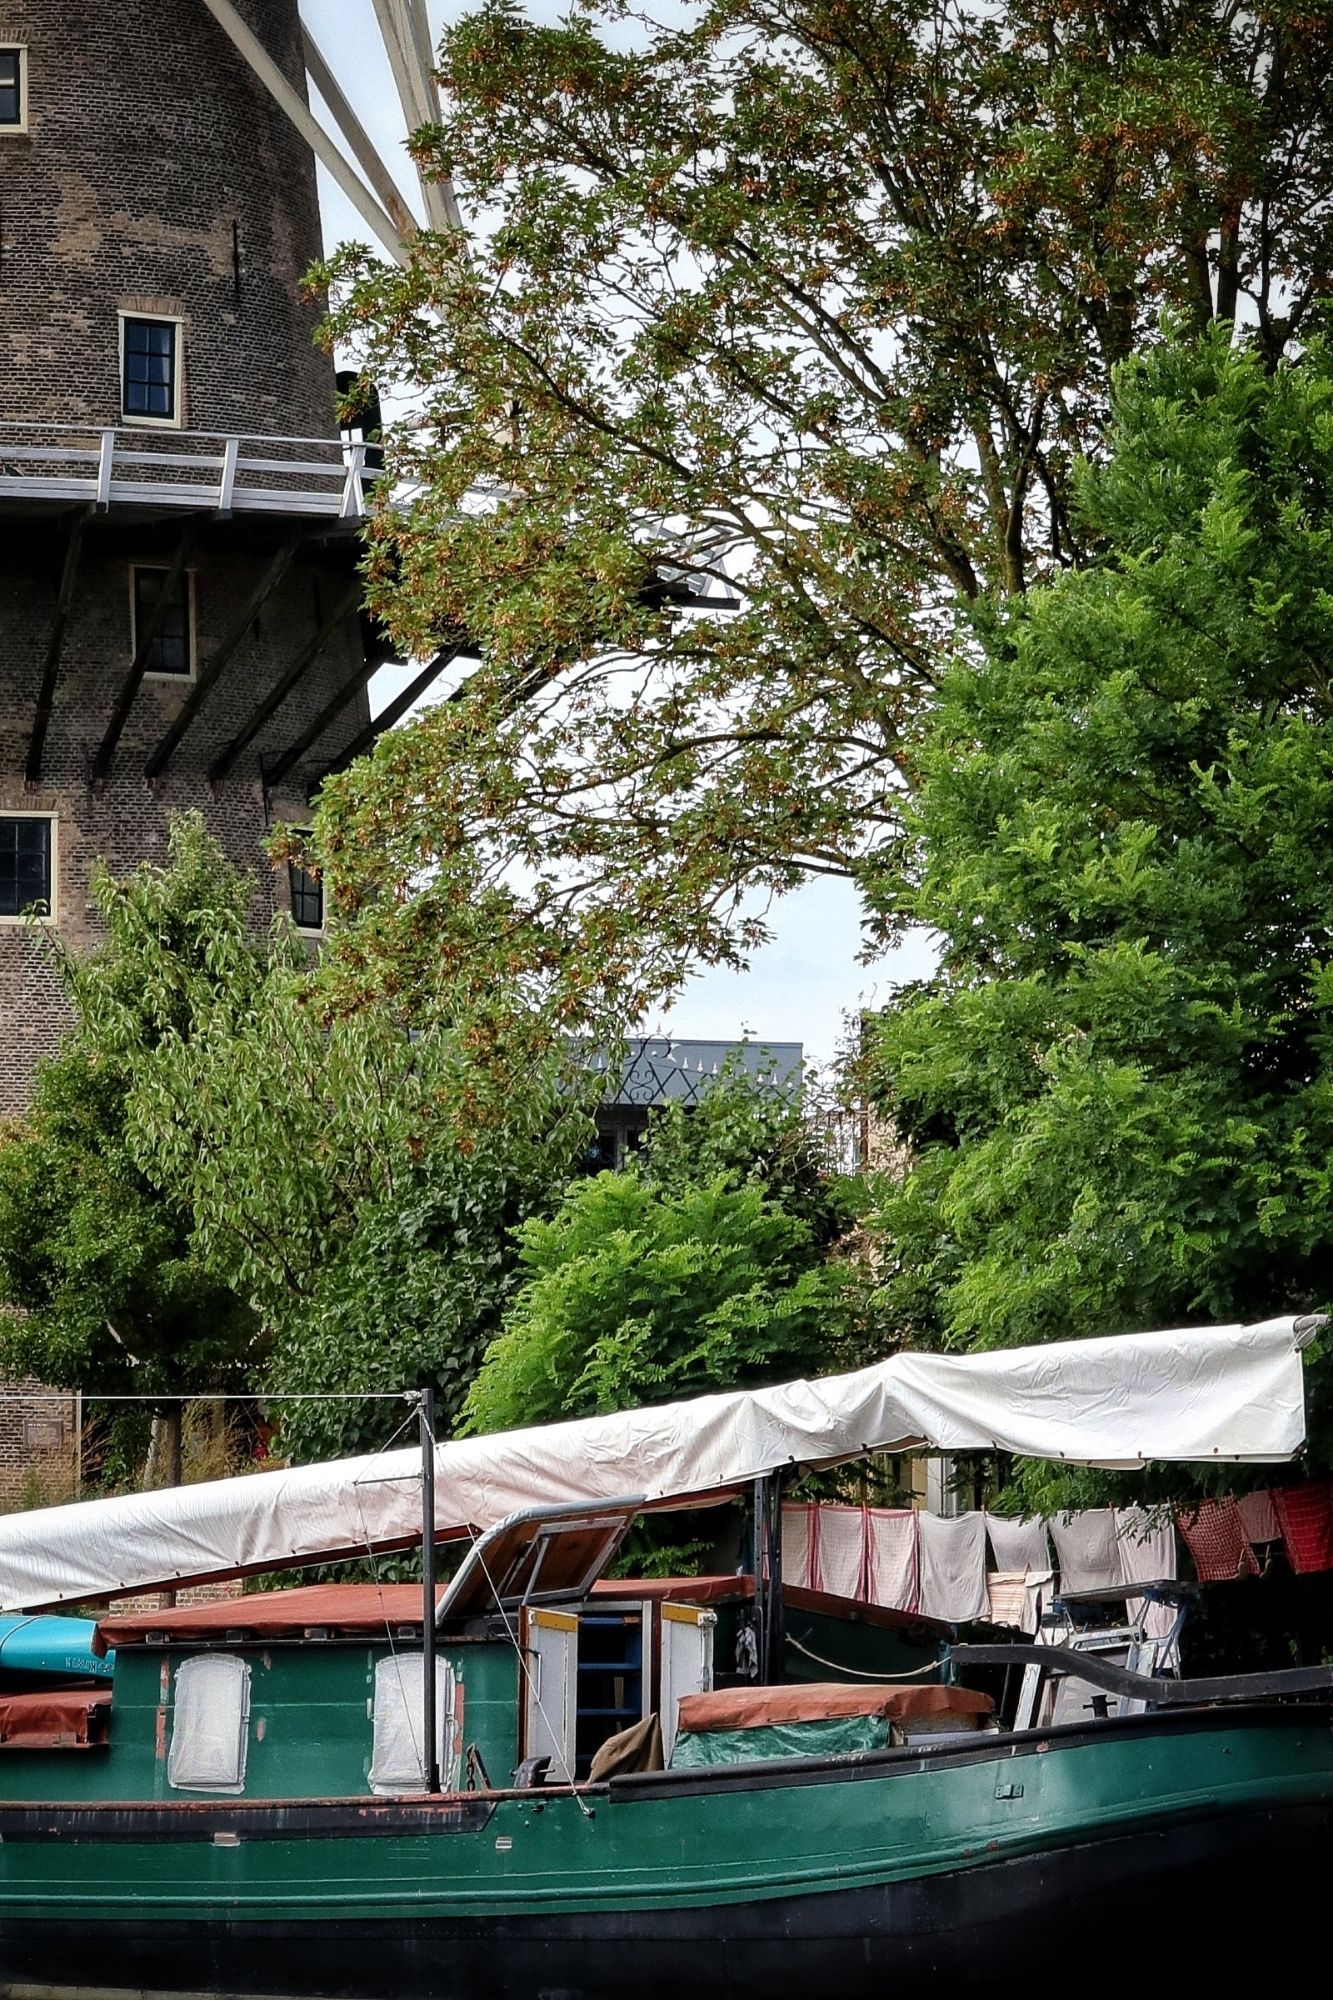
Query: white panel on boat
point(397, 1761)
point(687, 1663)
point(210, 1724)
point(552, 1655)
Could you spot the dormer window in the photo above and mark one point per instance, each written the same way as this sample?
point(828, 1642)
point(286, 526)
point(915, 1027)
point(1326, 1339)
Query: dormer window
point(150, 356)
point(13, 88)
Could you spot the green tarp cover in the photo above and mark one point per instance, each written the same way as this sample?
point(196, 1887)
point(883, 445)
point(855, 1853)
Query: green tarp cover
point(837, 1738)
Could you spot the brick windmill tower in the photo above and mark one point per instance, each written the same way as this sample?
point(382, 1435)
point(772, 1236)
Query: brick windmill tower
point(180, 515)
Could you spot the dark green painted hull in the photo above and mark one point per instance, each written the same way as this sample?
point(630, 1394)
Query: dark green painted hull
point(971, 1863)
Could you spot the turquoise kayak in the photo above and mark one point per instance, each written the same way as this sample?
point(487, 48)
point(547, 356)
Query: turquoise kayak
point(52, 1646)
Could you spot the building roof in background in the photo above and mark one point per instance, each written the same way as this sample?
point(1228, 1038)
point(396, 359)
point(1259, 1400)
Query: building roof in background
point(662, 1069)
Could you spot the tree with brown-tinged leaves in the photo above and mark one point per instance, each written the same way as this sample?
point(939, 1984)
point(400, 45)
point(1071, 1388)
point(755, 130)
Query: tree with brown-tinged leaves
point(805, 295)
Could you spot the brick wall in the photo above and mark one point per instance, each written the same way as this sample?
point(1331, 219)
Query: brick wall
point(126, 821)
point(157, 175)
point(39, 1446)
point(157, 169)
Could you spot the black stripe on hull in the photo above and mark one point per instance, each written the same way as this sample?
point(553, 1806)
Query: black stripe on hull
point(1105, 1914)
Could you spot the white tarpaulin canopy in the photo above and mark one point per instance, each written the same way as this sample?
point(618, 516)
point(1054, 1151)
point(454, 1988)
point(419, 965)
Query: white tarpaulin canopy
point(1226, 1393)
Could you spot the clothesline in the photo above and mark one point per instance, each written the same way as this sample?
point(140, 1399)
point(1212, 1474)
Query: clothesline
point(936, 1566)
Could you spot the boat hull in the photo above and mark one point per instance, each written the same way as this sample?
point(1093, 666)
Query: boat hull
point(1114, 1843)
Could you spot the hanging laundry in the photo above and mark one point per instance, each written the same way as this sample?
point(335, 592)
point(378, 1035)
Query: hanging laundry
point(1018, 1545)
point(800, 1546)
point(892, 1555)
point(1017, 1597)
point(841, 1566)
point(1086, 1549)
point(1215, 1536)
point(1147, 1544)
point(1259, 1517)
point(1306, 1517)
point(953, 1567)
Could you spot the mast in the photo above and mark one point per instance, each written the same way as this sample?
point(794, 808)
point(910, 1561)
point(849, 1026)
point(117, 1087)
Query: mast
point(430, 1753)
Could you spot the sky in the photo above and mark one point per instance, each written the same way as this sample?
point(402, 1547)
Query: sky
point(808, 983)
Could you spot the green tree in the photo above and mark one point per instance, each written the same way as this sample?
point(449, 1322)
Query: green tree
point(746, 1130)
point(633, 1295)
point(714, 1261)
point(354, 1179)
point(1118, 1089)
point(101, 1287)
point(837, 288)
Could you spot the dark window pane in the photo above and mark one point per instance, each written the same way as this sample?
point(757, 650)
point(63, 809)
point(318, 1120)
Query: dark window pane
point(11, 88)
point(171, 652)
point(150, 368)
point(307, 899)
point(25, 866)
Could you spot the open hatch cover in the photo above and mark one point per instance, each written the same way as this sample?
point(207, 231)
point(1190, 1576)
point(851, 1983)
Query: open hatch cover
point(538, 1558)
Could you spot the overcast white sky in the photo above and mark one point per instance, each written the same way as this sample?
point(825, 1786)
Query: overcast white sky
point(806, 984)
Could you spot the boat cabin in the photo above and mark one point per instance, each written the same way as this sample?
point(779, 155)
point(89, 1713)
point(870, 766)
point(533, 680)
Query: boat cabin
point(547, 1673)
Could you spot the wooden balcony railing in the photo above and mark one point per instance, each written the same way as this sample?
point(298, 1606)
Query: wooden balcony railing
point(111, 469)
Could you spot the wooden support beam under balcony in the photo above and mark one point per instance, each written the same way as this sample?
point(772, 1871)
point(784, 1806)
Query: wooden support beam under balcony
point(341, 698)
point(389, 717)
point(148, 639)
point(221, 657)
point(55, 646)
point(272, 701)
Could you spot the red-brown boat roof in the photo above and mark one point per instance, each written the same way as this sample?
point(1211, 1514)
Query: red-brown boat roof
point(364, 1610)
point(352, 1610)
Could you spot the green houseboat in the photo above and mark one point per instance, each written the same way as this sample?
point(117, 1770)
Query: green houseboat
point(543, 1784)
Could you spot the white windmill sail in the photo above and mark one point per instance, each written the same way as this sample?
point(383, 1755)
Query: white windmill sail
point(365, 178)
point(1231, 1393)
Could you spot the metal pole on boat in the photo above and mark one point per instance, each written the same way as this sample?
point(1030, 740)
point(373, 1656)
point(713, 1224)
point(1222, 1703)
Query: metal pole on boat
point(758, 1555)
point(430, 1755)
point(775, 1632)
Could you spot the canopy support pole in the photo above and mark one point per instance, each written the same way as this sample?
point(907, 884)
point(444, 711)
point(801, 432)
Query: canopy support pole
point(430, 1747)
point(769, 1633)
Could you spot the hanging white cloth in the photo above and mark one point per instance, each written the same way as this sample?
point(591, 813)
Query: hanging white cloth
point(842, 1539)
point(1217, 1393)
point(1147, 1544)
point(1018, 1545)
point(953, 1567)
point(1086, 1549)
point(893, 1557)
point(800, 1546)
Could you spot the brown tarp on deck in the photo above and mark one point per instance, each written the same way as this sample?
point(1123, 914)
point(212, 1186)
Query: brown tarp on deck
point(824, 1701)
point(66, 1719)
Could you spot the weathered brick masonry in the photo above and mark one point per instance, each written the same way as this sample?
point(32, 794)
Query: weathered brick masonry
point(156, 178)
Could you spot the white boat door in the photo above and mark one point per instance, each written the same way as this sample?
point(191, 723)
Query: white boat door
point(551, 1656)
point(686, 1663)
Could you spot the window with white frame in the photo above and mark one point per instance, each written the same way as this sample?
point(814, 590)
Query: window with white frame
point(13, 87)
point(27, 866)
point(150, 369)
point(210, 1724)
point(172, 652)
point(397, 1762)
